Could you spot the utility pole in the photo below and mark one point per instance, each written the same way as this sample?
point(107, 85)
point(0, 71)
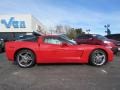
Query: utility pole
point(88, 31)
point(108, 30)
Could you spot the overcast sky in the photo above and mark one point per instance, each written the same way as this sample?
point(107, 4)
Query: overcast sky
point(87, 14)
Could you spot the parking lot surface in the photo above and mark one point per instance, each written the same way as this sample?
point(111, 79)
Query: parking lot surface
point(59, 77)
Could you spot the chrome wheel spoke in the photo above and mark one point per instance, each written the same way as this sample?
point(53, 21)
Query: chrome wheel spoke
point(22, 56)
point(99, 58)
point(24, 59)
point(29, 58)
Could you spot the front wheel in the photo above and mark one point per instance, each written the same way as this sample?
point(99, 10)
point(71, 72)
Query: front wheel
point(98, 58)
point(25, 58)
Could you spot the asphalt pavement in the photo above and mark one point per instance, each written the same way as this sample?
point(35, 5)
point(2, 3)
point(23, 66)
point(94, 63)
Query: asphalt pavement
point(59, 77)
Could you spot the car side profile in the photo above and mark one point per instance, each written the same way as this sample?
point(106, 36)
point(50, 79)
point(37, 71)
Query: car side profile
point(96, 39)
point(55, 49)
point(1, 45)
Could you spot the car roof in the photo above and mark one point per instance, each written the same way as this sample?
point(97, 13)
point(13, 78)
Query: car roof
point(50, 35)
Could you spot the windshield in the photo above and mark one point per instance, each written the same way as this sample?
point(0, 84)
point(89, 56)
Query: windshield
point(67, 38)
point(64, 36)
point(57, 40)
point(68, 41)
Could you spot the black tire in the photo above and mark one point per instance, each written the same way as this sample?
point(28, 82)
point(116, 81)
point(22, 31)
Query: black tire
point(98, 58)
point(0, 50)
point(3, 49)
point(25, 58)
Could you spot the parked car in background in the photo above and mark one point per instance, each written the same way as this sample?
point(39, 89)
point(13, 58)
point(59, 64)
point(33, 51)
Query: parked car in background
point(5, 37)
point(55, 49)
point(25, 37)
point(115, 38)
point(95, 39)
point(1, 45)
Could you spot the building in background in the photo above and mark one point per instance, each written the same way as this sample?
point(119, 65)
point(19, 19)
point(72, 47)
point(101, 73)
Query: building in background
point(12, 26)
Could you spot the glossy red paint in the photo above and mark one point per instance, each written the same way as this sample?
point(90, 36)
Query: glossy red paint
point(54, 53)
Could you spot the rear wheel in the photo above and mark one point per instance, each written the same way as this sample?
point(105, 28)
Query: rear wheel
point(98, 58)
point(25, 58)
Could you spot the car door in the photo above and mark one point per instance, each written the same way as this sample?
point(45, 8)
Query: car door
point(53, 51)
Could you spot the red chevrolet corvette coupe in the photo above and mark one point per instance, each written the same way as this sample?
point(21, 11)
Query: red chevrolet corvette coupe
point(55, 49)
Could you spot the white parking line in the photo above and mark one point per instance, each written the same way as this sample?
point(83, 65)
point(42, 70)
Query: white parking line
point(15, 73)
point(104, 71)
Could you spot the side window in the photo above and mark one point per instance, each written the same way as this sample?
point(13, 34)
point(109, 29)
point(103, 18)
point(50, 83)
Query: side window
point(52, 40)
point(80, 37)
point(88, 36)
point(84, 37)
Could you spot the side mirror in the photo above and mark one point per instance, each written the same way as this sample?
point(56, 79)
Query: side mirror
point(64, 44)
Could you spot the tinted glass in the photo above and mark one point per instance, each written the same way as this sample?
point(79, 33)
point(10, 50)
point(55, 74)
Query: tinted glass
point(27, 38)
point(57, 40)
point(84, 37)
point(100, 37)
